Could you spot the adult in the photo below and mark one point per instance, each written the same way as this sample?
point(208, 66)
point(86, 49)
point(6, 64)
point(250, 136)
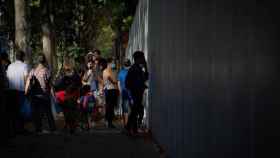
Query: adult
point(99, 66)
point(136, 84)
point(5, 61)
point(111, 92)
point(67, 76)
point(3, 114)
point(17, 74)
point(97, 54)
point(40, 100)
point(90, 76)
point(123, 91)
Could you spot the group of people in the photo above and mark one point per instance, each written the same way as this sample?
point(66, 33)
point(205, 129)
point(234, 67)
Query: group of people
point(81, 95)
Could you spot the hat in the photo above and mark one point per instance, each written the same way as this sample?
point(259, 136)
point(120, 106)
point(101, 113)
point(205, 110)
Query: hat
point(127, 62)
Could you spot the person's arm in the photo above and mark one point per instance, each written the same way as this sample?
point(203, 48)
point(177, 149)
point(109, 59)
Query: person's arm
point(27, 83)
point(86, 77)
point(119, 82)
point(110, 78)
point(128, 79)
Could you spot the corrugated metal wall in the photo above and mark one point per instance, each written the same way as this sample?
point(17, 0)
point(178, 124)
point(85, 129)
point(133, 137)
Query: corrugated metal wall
point(138, 40)
point(214, 74)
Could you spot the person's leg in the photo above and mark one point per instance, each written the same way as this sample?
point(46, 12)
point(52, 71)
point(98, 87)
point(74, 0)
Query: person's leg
point(132, 120)
point(125, 104)
point(37, 113)
point(10, 104)
point(20, 118)
point(137, 98)
point(50, 117)
point(108, 107)
point(3, 118)
point(110, 100)
point(12, 108)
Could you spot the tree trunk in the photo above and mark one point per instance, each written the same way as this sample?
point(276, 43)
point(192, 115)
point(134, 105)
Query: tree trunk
point(21, 28)
point(48, 36)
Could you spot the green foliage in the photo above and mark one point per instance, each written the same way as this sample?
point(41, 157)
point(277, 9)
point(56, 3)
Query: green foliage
point(34, 3)
point(79, 25)
point(105, 40)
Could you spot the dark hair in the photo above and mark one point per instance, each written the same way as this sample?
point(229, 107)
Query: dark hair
point(20, 55)
point(85, 89)
point(109, 60)
point(97, 51)
point(138, 55)
point(103, 63)
point(4, 56)
point(42, 59)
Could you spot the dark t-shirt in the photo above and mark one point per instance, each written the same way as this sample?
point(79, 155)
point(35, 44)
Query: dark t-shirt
point(135, 79)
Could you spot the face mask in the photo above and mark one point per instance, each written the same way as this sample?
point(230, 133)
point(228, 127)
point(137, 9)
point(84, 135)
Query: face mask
point(113, 66)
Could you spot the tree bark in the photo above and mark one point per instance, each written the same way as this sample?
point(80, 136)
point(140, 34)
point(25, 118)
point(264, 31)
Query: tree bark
point(21, 28)
point(48, 36)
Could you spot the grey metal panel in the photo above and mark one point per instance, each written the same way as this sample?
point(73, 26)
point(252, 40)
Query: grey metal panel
point(214, 70)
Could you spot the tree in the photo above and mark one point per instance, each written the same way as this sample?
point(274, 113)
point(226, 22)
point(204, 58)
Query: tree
point(48, 35)
point(21, 27)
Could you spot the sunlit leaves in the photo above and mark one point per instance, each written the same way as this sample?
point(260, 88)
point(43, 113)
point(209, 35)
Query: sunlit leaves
point(34, 3)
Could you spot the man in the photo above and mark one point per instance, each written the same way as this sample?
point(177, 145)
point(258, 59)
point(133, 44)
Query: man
point(123, 91)
point(135, 82)
point(17, 74)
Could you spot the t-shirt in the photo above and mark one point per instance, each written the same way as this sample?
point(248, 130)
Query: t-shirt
point(16, 74)
point(136, 78)
point(121, 77)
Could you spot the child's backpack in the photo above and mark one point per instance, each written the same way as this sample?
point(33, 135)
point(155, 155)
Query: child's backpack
point(88, 102)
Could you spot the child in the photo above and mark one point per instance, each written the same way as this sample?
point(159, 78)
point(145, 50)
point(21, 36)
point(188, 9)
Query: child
point(68, 101)
point(87, 102)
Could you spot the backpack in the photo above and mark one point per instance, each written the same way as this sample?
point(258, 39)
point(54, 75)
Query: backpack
point(34, 87)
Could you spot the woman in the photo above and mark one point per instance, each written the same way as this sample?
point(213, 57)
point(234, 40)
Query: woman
point(111, 92)
point(40, 100)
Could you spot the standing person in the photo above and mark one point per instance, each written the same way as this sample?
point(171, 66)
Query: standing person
point(67, 76)
point(90, 76)
point(97, 54)
point(68, 100)
point(123, 91)
point(40, 100)
point(3, 113)
point(99, 67)
point(86, 102)
point(111, 92)
point(17, 74)
point(5, 61)
point(135, 82)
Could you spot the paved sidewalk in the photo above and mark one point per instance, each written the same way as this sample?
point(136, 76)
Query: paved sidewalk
point(102, 144)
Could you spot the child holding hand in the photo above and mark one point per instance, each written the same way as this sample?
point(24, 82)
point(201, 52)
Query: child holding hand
point(87, 103)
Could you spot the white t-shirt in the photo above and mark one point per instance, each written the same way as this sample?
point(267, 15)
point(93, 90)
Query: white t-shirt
point(16, 73)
